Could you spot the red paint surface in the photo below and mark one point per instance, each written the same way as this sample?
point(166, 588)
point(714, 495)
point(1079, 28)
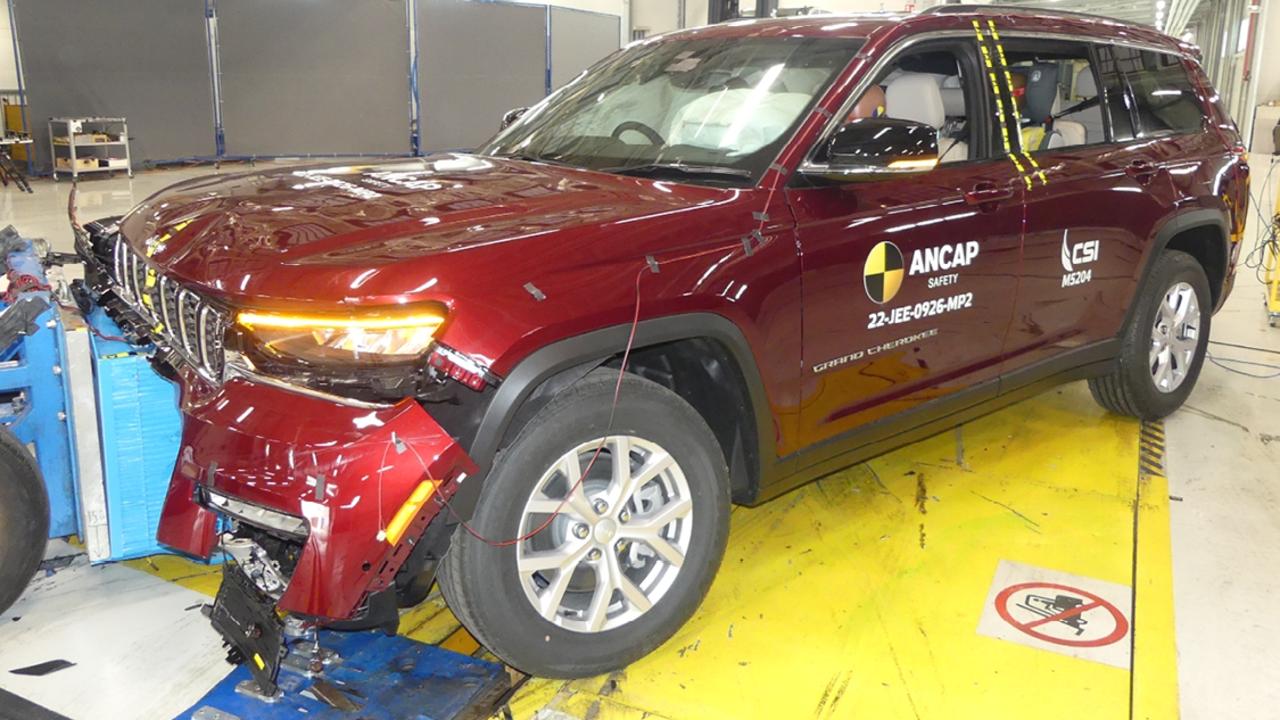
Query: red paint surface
point(271, 446)
point(470, 232)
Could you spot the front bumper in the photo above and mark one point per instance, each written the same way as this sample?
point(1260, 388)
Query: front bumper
point(345, 469)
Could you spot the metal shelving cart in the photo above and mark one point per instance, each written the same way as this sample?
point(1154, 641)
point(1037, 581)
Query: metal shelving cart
point(89, 144)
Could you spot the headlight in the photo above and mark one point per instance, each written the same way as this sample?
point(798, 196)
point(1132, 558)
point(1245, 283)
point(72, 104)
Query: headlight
point(380, 336)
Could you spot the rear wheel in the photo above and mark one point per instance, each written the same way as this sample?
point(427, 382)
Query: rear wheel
point(1163, 347)
point(605, 571)
point(24, 518)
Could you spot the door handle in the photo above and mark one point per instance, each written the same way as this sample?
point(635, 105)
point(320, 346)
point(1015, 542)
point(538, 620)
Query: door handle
point(987, 195)
point(1142, 171)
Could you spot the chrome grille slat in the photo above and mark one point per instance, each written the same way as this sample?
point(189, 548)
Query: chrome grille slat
point(179, 319)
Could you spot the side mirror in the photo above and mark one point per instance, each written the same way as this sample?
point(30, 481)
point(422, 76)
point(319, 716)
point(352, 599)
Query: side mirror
point(876, 148)
point(511, 116)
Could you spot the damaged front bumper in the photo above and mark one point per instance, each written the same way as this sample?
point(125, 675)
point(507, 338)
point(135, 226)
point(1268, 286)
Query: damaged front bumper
point(354, 486)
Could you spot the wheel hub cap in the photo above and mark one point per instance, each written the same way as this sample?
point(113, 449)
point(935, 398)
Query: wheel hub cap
point(1175, 337)
point(636, 510)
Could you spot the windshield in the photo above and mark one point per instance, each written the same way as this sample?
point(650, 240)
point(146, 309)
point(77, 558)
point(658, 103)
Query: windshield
point(700, 110)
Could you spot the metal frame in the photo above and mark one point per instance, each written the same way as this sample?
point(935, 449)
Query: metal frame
point(40, 411)
point(71, 145)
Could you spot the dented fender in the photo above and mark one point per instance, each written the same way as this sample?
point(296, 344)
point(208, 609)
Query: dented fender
point(346, 469)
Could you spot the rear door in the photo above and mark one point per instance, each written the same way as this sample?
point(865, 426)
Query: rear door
point(908, 284)
point(1093, 211)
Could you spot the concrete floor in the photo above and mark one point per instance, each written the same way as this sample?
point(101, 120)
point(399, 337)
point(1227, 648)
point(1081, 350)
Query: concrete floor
point(1225, 509)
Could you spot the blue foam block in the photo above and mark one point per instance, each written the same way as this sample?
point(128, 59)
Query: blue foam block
point(391, 678)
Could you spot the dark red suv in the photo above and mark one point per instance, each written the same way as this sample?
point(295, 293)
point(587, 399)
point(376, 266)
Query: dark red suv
point(717, 265)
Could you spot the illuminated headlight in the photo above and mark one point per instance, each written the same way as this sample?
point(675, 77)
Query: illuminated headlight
point(380, 336)
point(257, 515)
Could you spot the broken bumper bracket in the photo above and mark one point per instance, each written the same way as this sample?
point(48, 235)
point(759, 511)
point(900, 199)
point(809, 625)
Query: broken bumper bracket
point(248, 623)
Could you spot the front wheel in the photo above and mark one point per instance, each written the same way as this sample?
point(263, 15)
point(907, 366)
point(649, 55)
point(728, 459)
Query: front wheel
point(605, 571)
point(1163, 347)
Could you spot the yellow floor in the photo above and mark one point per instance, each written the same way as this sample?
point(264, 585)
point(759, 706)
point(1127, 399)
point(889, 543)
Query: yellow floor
point(859, 596)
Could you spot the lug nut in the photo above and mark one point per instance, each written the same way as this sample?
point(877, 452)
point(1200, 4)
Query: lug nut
point(594, 554)
point(624, 516)
point(601, 507)
point(581, 531)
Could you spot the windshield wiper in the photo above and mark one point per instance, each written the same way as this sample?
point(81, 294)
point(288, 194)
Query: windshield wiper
point(530, 157)
point(713, 172)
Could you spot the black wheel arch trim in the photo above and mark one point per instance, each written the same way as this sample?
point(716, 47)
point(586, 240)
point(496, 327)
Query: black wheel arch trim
point(1175, 225)
point(580, 354)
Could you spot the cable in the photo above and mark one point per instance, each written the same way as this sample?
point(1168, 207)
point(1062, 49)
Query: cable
point(1244, 347)
point(1257, 376)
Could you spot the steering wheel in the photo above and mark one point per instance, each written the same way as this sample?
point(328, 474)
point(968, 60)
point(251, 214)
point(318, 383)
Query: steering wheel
point(649, 133)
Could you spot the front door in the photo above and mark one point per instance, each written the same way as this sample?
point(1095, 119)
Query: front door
point(908, 284)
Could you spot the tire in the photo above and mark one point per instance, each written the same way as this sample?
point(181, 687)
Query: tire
point(24, 518)
point(1131, 387)
point(484, 585)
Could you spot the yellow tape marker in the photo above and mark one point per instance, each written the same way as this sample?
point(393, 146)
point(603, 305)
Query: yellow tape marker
point(257, 660)
point(1000, 115)
point(1008, 81)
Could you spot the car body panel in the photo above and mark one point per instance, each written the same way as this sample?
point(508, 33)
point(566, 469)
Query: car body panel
point(345, 469)
point(546, 269)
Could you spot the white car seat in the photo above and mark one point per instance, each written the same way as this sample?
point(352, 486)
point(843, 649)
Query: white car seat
point(917, 97)
point(1091, 117)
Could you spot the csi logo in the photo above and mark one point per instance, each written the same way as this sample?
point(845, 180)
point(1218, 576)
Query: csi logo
point(1074, 255)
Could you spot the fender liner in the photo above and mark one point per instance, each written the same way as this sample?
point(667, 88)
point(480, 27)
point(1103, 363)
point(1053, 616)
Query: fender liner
point(581, 353)
point(1174, 225)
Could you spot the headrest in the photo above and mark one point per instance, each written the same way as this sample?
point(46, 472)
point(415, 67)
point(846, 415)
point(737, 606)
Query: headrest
point(915, 96)
point(1086, 86)
point(1042, 91)
point(953, 101)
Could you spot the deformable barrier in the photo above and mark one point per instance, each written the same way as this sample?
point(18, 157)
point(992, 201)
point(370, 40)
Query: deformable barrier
point(240, 79)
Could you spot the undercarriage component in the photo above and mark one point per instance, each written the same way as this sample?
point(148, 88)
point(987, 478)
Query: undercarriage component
point(248, 623)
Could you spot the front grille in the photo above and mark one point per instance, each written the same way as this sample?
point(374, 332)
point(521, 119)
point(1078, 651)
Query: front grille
point(179, 319)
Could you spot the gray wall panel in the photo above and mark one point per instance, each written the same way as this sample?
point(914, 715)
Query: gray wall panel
point(145, 60)
point(314, 76)
point(478, 60)
point(578, 39)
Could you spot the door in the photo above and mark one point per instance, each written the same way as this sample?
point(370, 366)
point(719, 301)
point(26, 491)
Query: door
point(908, 284)
point(1092, 213)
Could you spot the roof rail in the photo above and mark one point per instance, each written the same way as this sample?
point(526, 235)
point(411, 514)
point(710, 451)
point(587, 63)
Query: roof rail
point(955, 9)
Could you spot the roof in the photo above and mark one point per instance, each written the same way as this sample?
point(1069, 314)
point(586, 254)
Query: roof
point(943, 17)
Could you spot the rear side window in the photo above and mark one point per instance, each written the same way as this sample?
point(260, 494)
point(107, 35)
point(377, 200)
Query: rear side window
point(1163, 96)
point(1160, 97)
point(1113, 62)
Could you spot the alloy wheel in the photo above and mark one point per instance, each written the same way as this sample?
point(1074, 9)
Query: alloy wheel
point(1175, 336)
point(616, 540)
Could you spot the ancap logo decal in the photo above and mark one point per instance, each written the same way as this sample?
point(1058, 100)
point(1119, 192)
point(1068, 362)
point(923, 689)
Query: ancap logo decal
point(882, 274)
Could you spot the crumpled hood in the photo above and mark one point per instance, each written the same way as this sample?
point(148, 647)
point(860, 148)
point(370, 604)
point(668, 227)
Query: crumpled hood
point(329, 232)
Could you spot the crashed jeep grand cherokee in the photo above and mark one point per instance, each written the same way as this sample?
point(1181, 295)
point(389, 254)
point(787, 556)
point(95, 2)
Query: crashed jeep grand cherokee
point(719, 264)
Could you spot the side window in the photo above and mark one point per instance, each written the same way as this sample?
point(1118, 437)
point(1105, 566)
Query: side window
point(1164, 98)
point(1113, 63)
point(931, 86)
point(1056, 93)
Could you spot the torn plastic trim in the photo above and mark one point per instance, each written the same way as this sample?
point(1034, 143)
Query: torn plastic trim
point(269, 447)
